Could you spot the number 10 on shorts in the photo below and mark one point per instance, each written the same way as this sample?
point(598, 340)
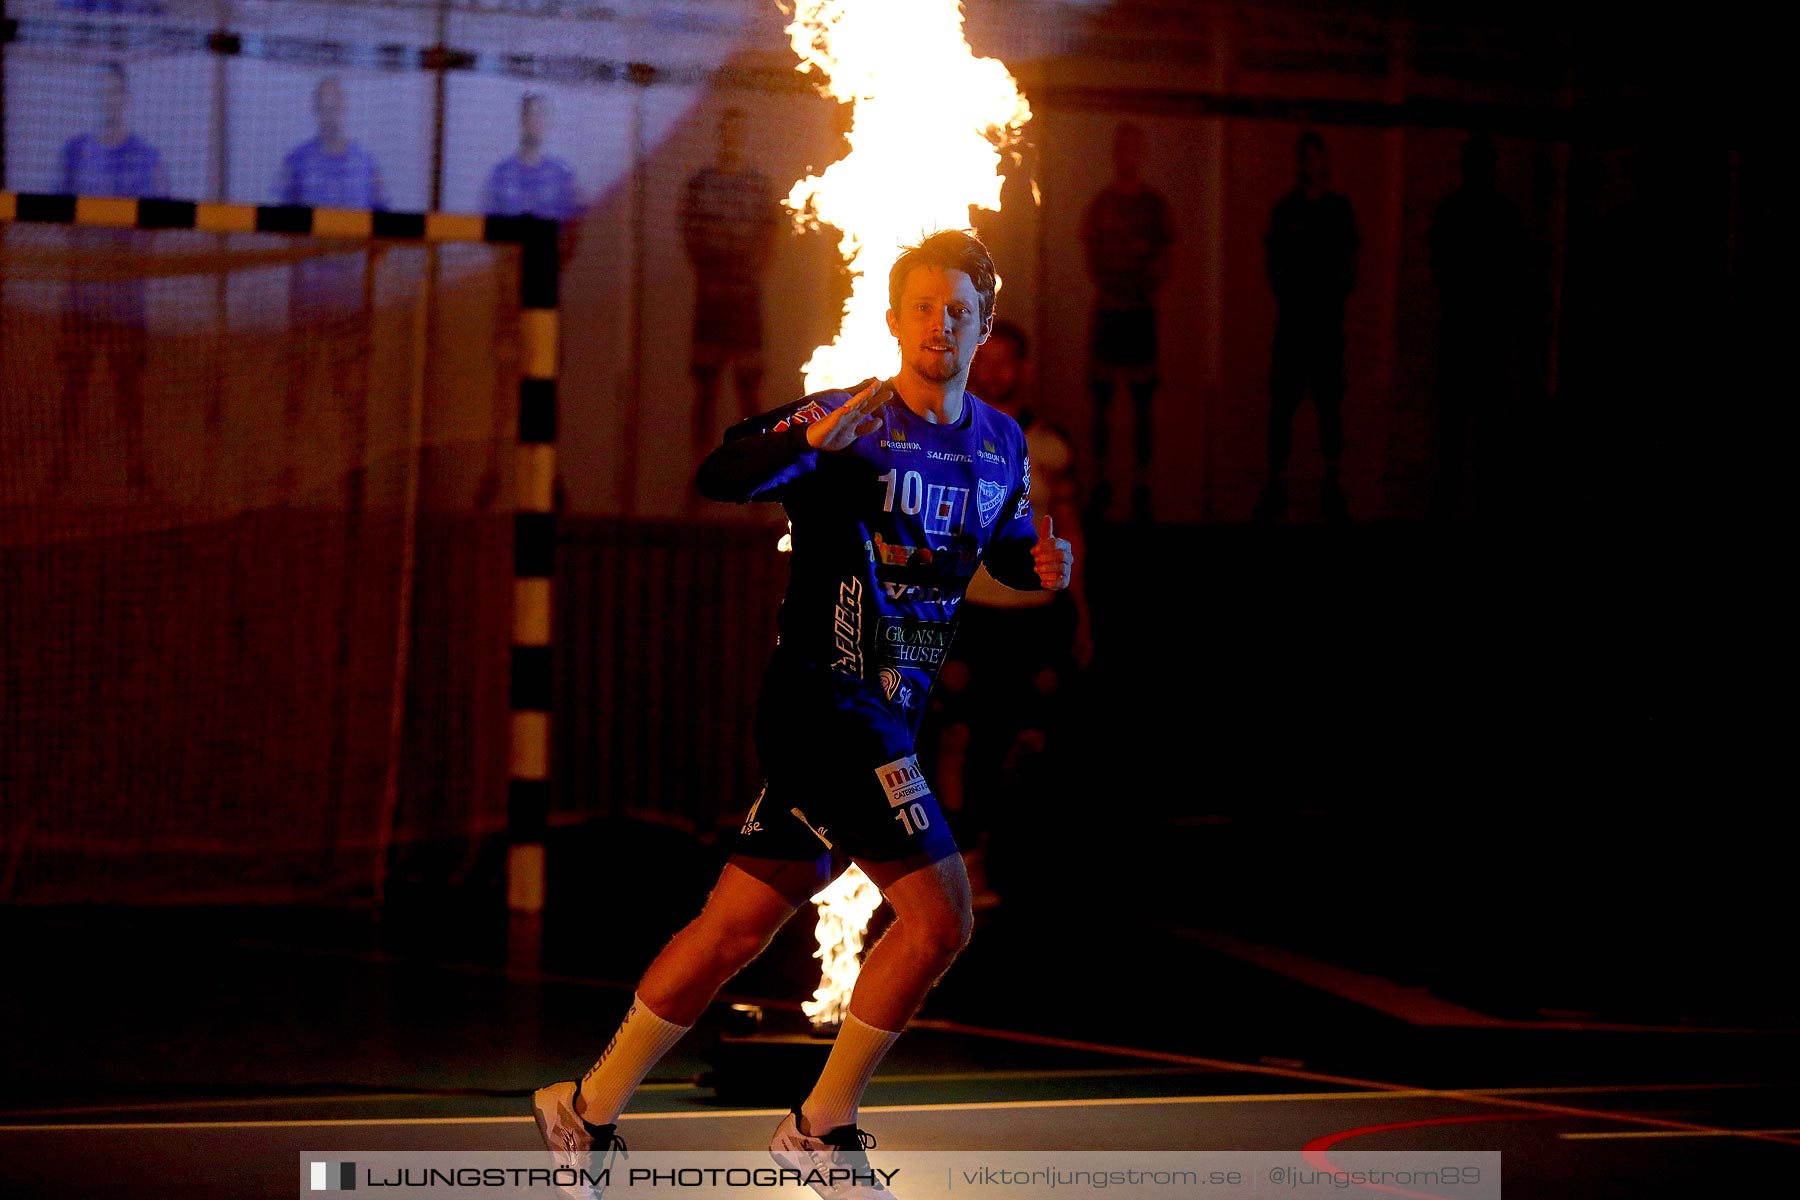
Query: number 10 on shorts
point(902, 780)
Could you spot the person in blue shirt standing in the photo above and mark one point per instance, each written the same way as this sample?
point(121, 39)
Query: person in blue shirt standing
point(106, 317)
point(895, 494)
point(530, 183)
point(330, 294)
point(330, 170)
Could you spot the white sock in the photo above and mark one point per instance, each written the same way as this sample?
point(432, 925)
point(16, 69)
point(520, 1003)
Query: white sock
point(852, 1062)
point(643, 1037)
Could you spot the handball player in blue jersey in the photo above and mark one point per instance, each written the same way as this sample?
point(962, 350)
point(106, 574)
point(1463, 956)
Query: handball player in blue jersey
point(106, 317)
point(329, 294)
point(896, 493)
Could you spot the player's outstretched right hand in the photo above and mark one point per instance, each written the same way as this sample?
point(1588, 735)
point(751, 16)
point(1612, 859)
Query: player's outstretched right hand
point(842, 426)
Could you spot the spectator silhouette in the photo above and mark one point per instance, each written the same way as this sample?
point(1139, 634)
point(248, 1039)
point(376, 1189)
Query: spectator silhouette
point(329, 295)
point(330, 170)
point(1311, 253)
point(1477, 261)
point(530, 183)
point(1126, 232)
point(106, 317)
point(729, 222)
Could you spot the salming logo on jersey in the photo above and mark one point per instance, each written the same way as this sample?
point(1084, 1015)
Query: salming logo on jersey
point(847, 628)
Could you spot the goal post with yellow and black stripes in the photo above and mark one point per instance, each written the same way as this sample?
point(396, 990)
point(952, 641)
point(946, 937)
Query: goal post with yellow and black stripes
point(277, 540)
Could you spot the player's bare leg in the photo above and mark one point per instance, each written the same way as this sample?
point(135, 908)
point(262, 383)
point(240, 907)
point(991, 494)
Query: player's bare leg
point(577, 1117)
point(932, 923)
point(737, 923)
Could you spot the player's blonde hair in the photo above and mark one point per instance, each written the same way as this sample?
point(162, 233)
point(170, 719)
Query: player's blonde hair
point(949, 250)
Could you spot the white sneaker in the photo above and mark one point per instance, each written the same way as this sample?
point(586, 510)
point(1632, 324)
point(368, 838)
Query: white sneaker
point(575, 1144)
point(835, 1166)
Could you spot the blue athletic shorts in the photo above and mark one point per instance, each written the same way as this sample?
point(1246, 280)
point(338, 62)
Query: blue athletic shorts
point(841, 778)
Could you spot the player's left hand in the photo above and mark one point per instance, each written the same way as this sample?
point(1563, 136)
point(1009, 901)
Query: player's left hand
point(1053, 557)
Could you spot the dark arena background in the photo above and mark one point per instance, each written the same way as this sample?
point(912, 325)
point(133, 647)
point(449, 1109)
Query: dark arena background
point(376, 688)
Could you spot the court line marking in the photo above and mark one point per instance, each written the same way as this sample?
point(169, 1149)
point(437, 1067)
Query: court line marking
point(1118, 1101)
point(1414, 1005)
point(1391, 1089)
point(1459, 1094)
point(1316, 1153)
point(1669, 1133)
point(1122, 1101)
point(1189, 1060)
point(239, 1102)
point(120, 1126)
point(1129, 1101)
point(493, 1094)
point(969, 1076)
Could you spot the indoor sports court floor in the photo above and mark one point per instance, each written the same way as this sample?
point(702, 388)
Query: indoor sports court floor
point(198, 1055)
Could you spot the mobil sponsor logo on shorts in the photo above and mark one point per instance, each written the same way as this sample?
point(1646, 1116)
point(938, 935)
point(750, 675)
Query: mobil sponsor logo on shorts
point(846, 628)
point(913, 643)
point(902, 780)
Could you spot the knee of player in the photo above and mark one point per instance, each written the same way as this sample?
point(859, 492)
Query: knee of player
point(944, 931)
point(735, 944)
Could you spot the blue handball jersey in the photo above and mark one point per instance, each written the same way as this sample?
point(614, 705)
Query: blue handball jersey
point(886, 535)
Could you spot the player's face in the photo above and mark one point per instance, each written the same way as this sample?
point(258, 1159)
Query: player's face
point(112, 99)
point(532, 122)
point(731, 142)
point(994, 375)
point(1312, 166)
point(1128, 151)
point(938, 324)
point(328, 104)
